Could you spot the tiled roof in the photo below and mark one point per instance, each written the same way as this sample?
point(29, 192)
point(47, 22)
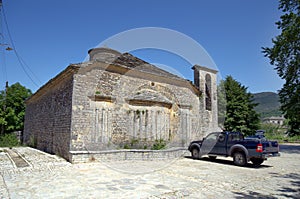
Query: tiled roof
point(130, 61)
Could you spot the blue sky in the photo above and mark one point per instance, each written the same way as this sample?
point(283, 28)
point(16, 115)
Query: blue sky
point(49, 35)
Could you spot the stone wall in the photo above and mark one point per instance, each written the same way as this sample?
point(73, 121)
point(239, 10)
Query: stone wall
point(110, 112)
point(121, 155)
point(48, 117)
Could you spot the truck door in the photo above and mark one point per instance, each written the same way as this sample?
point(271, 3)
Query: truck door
point(215, 143)
point(209, 143)
point(220, 146)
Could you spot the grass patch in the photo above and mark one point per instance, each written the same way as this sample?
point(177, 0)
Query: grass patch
point(295, 138)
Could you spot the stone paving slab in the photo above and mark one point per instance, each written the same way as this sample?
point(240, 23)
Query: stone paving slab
point(5, 162)
point(52, 177)
point(16, 158)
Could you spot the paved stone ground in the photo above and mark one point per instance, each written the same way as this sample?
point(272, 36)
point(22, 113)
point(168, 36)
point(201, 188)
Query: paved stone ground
point(48, 176)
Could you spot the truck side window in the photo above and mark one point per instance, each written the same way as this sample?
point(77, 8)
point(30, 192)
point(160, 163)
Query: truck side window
point(212, 137)
point(235, 137)
point(241, 137)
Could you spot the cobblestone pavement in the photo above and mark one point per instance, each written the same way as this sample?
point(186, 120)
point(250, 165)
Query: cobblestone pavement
point(48, 176)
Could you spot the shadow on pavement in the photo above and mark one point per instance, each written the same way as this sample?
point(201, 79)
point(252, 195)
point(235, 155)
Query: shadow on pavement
point(229, 162)
point(252, 194)
point(291, 191)
point(289, 148)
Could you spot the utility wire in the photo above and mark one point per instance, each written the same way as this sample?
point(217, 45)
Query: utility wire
point(21, 61)
point(3, 61)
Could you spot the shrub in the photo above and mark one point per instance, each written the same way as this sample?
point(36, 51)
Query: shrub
point(275, 132)
point(9, 140)
point(159, 144)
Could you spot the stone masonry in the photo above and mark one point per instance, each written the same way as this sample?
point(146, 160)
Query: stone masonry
point(118, 101)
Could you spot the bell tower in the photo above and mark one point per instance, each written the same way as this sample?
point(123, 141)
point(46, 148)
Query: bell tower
point(205, 79)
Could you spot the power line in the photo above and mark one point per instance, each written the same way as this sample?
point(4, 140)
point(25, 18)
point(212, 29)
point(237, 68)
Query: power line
point(3, 64)
point(3, 61)
point(21, 61)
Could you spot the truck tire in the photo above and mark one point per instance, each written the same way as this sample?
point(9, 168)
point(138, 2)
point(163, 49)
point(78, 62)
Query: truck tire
point(257, 161)
point(239, 158)
point(212, 157)
point(195, 153)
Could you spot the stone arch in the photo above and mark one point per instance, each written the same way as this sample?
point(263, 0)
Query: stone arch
point(163, 90)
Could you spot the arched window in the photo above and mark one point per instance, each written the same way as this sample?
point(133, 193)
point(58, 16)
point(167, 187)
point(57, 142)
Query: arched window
point(208, 92)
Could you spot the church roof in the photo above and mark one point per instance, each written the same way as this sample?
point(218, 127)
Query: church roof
point(127, 61)
point(112, 57)
point(132, 62)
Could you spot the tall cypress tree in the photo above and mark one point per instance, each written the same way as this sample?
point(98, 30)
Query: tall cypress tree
point(240, 114)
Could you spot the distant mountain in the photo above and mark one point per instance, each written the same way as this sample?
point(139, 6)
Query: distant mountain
point(268, 104)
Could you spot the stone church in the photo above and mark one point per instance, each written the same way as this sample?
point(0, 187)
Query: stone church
point(116, 101)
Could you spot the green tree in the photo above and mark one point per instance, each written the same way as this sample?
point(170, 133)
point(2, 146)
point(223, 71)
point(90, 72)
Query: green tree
point(240, 114)
point(285, 56)
point(12, 108)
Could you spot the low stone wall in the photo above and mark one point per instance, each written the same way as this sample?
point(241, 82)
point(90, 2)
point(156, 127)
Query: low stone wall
point(126, 154)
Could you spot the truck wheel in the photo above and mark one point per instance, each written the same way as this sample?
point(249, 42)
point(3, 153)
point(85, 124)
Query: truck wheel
point(239, 159)
point(195, 153)
point(257, 161)
point(212, 157)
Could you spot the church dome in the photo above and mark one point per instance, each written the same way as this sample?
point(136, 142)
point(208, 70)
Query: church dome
point(103, 54)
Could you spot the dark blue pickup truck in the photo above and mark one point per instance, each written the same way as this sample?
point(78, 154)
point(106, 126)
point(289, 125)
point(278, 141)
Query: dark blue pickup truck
point(233, 144)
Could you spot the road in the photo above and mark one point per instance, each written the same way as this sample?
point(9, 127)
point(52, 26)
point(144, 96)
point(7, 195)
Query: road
point(48, 176)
